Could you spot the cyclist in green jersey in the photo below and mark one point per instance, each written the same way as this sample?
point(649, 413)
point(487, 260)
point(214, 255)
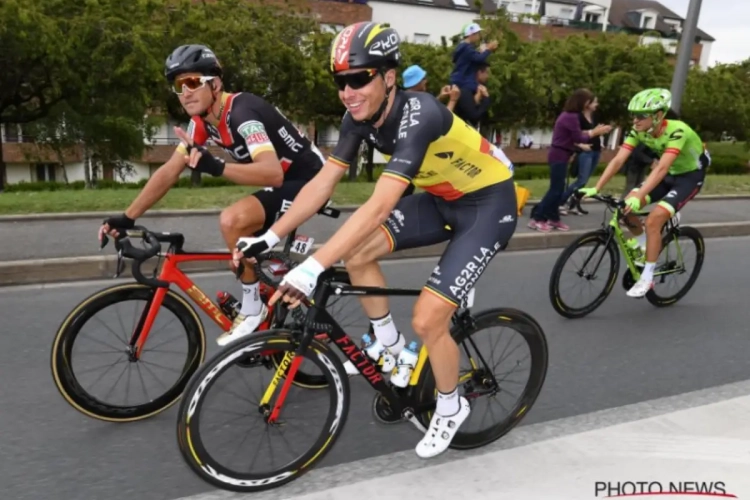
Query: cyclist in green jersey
point(676, 179)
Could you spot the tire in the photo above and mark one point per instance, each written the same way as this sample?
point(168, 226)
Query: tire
point(188, 426)
point(695, 236)
point(534, 335)
point(601, 237)
point(62, 347)
point(301, 378)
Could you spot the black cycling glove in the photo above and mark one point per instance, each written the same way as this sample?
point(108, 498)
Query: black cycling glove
point(208, 163)
point(121, 221)
point(254, 249)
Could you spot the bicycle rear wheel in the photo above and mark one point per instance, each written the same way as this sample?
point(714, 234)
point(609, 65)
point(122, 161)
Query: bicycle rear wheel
point(206, 386)
point(81, 392)
point(479, 378)
point(675, 245)
point(593, 265)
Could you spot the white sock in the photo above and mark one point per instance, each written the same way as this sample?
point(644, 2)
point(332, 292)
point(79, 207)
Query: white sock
point(386, 332)
point(448, 404)
point(641, 239)
point(648, 271)
point(250, 299)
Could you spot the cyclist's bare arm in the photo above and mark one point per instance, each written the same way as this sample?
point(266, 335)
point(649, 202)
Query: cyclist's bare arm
point(613, 167)
point(310, 198)
point(264, 171)
point(363, 222)
point(158, 185)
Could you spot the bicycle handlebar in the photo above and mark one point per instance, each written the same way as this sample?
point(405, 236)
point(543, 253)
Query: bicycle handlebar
point(126, 249)
point(605, 198)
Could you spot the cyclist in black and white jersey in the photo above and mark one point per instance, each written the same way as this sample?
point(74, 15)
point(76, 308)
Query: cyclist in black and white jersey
point(267, 150)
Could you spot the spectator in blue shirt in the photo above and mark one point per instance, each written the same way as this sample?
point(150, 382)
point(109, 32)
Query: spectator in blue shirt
point(467, 59)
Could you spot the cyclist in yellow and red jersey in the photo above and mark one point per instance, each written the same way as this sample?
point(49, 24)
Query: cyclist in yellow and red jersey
point(466, 187)
point(267, 149)
point(676, 180)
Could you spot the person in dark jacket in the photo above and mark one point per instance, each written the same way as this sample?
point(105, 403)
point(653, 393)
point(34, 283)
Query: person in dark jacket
point(466, 59)
point(636, 166)
point(567, 132)
point(472, 108)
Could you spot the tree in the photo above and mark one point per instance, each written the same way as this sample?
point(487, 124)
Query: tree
point(116, 65)
point(35, 70)
point(716, 101)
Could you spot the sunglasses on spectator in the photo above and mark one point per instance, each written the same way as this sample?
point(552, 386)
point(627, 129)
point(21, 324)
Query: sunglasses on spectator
point(191, 83)
point(355, 81)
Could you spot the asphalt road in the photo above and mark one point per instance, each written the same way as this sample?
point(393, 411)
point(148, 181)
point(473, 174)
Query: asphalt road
point(626, 352)
point(72, 238)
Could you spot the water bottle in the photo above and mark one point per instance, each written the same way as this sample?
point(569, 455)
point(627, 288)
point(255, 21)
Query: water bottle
point(375, 350)
point(407, 360)
point(228, 304)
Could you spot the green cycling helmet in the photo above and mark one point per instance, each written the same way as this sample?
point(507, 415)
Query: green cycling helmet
point(650, 101)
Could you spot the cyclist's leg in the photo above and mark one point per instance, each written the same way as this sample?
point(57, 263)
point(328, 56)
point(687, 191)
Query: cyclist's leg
point(634, 222)
point(483, 223)
point(253, 215)
point(680, 189)
point(414, 222)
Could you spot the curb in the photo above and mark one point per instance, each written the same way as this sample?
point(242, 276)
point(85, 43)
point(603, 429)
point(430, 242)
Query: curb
point(217, 211)
point(25, 272)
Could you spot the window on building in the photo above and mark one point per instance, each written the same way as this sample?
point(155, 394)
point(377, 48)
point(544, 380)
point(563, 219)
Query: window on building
point(45, 171)
point(567, 13)
point(11, 132)
point(591, 18)
point(460, 3)
point(421, 38)
point(527, 8)
point(648, 22)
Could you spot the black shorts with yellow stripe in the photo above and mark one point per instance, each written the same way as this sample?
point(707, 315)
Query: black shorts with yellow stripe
point(479, 223)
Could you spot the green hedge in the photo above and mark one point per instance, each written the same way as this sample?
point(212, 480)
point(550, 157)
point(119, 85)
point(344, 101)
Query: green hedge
point(720, 165)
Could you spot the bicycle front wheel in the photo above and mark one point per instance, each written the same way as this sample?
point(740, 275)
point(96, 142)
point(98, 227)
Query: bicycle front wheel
point(483, 380)
point(92, 358)
point(591, 262)
point(238, 415)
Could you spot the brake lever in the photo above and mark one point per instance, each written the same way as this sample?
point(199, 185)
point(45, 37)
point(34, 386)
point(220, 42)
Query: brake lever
point(120, 265)
point(240, 269)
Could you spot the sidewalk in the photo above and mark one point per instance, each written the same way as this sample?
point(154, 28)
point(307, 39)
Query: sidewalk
point(704, 449)
point(77, 237)
point(690, 443)
point(34, 251)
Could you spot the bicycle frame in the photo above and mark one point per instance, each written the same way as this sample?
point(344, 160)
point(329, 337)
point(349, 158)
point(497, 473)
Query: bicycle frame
point(171, 274)
point(614, 230)
point(318, 319)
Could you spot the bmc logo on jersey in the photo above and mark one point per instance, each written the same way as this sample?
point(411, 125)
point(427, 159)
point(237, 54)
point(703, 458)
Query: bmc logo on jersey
point(253, 132)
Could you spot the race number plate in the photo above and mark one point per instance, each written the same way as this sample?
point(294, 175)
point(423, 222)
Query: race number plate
point(302, 244)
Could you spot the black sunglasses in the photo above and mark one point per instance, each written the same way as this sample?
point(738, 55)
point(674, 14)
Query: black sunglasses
point(355, 80)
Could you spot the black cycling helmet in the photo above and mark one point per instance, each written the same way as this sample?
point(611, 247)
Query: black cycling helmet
point(365, 45)
point(191, 59)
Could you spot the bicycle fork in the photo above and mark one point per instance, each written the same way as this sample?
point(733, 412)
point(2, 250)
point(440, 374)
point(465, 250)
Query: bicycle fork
point(145, 322)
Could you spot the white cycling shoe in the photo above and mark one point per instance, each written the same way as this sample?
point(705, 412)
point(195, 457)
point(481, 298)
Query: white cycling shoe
point(442, 430)
point(243, 326)
point(640, 288)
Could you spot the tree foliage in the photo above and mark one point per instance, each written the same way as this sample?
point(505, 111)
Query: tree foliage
point(88, 74)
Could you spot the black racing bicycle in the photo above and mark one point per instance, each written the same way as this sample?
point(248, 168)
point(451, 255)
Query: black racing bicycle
point(593, 262)
point(226, 422)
